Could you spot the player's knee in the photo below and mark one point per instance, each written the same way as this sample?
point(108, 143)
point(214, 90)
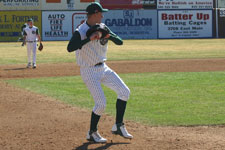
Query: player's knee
point(99, 109)
point(124, 94)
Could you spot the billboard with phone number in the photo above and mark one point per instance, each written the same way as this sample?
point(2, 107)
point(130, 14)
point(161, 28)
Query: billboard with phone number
point(184, 4)
point(185, 23)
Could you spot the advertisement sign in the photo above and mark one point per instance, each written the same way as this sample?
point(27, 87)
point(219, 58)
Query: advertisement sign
point(121, 4)
point(128, 24)
point(57, 25)
point(185, 23)
point(66, 4)
point(149, 4)
point(221, 3)
point(132, 24)
point(78, 18)
point(184, 4)
point(82, 4)
point(12, 21)
point(222, 12)
point(20, 4)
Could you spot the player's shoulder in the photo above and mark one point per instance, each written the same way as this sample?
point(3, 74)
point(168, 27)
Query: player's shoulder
point(83, 27)
point(26, 28)
point(35, 27)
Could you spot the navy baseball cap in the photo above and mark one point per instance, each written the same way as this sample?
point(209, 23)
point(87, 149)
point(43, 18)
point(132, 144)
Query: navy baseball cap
point(95, 7)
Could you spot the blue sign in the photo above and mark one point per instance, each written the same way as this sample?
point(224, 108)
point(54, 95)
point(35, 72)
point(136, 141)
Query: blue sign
point(132, 24)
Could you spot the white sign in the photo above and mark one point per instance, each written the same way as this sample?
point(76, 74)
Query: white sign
point(66, 4)
point(132, 24)
point(221, 3)
point(185, 4)
point(222, 12)
point(185, 23)
point(78, 18)
point(56, 25)
point(20, 4)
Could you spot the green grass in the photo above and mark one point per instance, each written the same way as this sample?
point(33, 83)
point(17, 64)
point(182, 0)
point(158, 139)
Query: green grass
point(55, 52)
point(156, 98)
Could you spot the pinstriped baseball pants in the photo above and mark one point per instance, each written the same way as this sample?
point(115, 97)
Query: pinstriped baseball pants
point(31, 48)
point(94, 76)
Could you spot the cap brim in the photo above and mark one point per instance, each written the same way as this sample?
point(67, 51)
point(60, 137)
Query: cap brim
point(105, 10)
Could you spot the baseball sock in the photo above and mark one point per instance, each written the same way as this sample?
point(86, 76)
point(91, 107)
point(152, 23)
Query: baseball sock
point(120, 110)
point(94, 122)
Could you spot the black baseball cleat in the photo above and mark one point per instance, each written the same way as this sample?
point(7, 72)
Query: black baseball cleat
point(28, 65)
point(95, 137)
point(121, 130)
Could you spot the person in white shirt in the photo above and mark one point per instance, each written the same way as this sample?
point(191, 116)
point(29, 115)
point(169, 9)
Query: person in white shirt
point(31, 37)
point(91, 57)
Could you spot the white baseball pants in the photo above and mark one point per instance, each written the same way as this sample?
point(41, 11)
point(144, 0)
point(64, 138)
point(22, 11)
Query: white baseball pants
point(31, 48)
point(94, 76)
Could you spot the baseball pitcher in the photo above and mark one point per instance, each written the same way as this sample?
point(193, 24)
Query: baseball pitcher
point(90, 42)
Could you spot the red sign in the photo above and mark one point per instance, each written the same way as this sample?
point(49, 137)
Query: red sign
point(120, 4)
point(53, 1)
point(85, 1)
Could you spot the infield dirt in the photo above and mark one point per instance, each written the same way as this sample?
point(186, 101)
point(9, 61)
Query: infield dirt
point(29, 121)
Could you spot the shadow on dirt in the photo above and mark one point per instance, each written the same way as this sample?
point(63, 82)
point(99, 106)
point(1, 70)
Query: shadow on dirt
point(101, 147)
point(15, 69)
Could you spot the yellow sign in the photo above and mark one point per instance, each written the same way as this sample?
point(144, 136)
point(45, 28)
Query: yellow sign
point(11, 23)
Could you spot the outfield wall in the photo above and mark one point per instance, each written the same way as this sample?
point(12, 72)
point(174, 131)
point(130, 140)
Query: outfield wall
point(130, 19)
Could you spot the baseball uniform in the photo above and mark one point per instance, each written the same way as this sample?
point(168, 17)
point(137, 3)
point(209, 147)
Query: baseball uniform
point(31, 34)
point(91, 57)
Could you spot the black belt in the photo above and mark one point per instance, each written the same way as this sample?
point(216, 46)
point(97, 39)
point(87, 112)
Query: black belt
point(99, 64)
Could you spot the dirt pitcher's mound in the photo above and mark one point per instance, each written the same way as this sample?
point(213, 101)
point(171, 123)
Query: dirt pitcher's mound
point(68, 69)
point(29, 121)
point(33, 122)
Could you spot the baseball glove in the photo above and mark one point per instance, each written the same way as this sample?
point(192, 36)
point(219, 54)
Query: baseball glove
point(40, 47)
point(98, 27)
